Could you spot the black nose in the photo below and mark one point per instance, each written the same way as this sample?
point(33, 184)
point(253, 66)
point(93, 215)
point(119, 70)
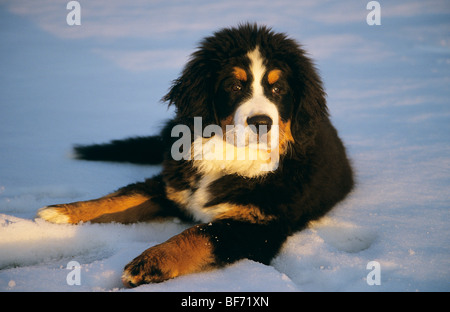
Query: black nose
point(260, 120)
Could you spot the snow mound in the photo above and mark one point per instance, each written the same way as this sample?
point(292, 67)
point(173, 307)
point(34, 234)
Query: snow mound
point(344, 236)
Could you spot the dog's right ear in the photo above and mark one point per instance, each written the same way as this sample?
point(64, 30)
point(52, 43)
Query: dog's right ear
point(193, 92)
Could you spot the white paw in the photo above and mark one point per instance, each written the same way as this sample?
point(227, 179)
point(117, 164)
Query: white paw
point(53, 214)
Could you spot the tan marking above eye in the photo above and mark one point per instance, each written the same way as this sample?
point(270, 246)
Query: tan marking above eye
point(273, 76)
point(240, 74)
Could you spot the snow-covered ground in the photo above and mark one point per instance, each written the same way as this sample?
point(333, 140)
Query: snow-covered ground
point(388, 94)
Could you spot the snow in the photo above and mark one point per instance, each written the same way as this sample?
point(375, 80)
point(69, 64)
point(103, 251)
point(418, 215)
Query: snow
point(388, 96)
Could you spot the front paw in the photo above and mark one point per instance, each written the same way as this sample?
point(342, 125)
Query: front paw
point(147, 268)
point(185, 253)
point(54, 214)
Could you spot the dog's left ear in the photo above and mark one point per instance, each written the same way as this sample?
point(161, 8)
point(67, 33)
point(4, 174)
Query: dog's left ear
point(309, 98)
point(192, 92)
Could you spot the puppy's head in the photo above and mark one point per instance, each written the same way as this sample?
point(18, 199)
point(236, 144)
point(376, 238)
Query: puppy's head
point(259, 88)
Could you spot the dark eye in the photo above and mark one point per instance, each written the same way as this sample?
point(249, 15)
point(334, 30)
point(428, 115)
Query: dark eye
point(236, 87)
point(276, 90)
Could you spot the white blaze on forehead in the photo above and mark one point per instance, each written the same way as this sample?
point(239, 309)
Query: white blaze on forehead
point(258, 70)
point(258, 104)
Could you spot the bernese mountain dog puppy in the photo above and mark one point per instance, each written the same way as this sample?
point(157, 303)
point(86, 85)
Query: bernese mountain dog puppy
point(251, 156)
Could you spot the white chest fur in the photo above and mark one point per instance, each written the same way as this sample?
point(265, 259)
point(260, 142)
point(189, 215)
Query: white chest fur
point(200, 197)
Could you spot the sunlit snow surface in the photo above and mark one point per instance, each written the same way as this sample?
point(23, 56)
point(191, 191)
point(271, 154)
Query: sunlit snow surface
point(388, 95)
